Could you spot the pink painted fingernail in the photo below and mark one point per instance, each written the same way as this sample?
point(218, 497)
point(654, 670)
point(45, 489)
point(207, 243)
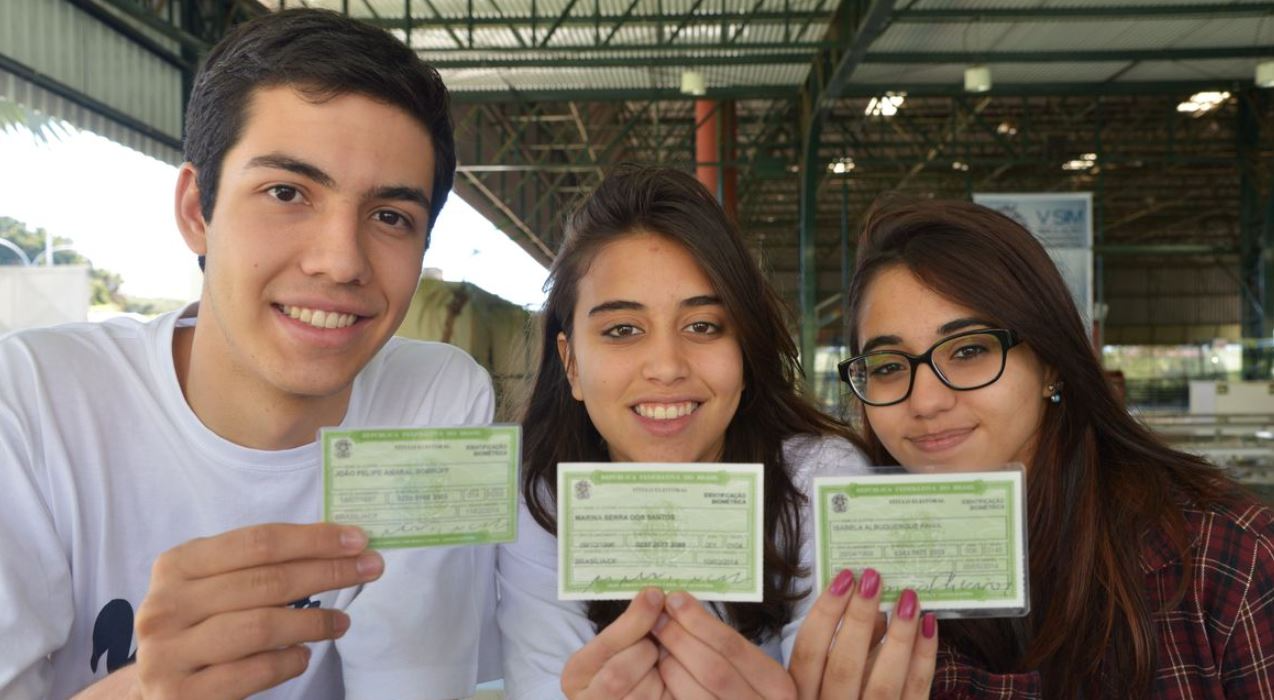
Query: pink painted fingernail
point(842, 583)
point(907, 605)
point(929, 625)
point(869, 585)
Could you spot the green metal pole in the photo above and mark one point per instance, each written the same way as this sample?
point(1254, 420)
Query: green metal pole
point(808, 237)
point(1252, 269)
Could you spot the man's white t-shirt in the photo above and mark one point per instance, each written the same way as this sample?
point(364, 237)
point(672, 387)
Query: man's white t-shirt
point(540, 633)
point(103, 466)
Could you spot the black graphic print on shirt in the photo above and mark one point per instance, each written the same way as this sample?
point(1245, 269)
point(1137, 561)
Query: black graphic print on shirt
point(113, 633)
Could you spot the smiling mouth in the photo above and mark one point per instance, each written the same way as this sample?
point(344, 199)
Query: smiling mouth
point(666, 411)
point(327, 320)
point(935, 442)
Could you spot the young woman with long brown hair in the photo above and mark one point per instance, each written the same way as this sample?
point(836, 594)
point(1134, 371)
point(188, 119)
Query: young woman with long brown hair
point(1152, 573)
point(662, 342)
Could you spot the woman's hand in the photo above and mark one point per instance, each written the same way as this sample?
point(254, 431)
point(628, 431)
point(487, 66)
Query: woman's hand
point(829, 662)
point(621, 662)
point(706, 658)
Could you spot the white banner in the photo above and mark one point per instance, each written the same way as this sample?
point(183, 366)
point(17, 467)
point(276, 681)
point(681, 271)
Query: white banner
point(1063, 222)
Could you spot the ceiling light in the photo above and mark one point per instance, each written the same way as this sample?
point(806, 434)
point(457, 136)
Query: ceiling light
point(1006, 129)
point(840, 166)
point(1201, 103)
point(1265, 74)
point(693, 83)
point(977, 79)
point(960, 165)
point(885, 106)
point(1086, 161)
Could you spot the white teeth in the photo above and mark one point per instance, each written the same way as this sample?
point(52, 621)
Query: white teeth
point(661, 411)
point(320, 319)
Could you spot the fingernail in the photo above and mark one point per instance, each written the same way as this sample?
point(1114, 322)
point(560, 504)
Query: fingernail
point(353, 539)
point(369, 564)
point(654, 596)
point(341, 623)
point(907, 605)
point(659, 624)
point(677, 600)
point(842, 583)
point(305, 649)
point(869, 585)
point(928, 625)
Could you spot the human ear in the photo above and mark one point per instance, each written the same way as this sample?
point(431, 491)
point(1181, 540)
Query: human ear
point(568, 364)
point(190, 221)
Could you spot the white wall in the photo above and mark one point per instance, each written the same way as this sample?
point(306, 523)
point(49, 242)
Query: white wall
point(42, 296)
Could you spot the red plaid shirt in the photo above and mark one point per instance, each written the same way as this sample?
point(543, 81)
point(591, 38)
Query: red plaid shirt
point(1217, 643)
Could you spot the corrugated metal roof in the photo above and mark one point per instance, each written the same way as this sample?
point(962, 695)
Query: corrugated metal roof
point(637, 77)
point(94, 60)
point(1108, 34)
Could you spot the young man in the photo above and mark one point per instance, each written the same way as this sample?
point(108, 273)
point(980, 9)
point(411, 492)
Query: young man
point(147, 469)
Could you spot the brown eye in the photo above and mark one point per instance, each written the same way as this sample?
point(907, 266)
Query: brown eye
point(284, 193)
point(392, 218)
point(623, 330)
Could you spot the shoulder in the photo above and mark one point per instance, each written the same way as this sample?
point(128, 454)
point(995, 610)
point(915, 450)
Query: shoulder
point(425, 360)
point(808, 456)
point(1224, 534)
point(425, 382)
point(1232, 557)
point(46, 354)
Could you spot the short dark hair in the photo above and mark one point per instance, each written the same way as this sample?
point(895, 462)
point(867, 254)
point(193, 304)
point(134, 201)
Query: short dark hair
point(323, 55)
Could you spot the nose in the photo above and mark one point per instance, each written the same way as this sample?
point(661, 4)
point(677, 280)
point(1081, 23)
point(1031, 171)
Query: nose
point(335, 249)
point(665, 362)
point(929, 396)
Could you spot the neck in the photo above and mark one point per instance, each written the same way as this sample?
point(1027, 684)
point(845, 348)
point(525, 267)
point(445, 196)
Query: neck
point(238, 406)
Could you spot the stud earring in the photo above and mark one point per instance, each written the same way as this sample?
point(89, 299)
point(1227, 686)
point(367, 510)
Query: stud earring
point(1055, 393)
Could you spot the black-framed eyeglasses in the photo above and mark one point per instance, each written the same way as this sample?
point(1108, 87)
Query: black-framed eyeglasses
point(964, 362)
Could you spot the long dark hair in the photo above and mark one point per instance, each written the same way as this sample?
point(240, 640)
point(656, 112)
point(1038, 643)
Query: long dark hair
point(556, 427)
point(1099, 479)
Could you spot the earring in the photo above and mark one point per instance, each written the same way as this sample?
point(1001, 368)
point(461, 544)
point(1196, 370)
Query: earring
point(1055, 393)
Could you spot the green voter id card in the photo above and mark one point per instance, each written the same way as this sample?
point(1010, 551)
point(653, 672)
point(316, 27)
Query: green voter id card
point(692, 527)
point(423, 487)
point(957, 539)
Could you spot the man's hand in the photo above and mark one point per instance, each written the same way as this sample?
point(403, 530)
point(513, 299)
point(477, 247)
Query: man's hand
point(214, 623)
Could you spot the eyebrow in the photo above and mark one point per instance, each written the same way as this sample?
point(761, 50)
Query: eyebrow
point(403, 193)
point(280, 161)
point(945, 329)
point(625, 305)
point(394, 193)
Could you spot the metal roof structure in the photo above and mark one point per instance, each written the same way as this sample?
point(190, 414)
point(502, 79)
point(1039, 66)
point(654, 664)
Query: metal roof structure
point(549, 93)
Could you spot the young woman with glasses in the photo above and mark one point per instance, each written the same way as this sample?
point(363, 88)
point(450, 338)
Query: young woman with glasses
point(1152, 573)
point(662, 342)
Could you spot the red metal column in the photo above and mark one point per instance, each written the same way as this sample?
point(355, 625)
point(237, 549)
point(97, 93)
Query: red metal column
point(715, 137)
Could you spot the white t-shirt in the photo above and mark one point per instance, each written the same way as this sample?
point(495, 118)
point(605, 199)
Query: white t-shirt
point(539, 632)
point(103, 466)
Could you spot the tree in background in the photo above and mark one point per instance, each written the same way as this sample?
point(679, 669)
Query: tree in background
point(103, 284)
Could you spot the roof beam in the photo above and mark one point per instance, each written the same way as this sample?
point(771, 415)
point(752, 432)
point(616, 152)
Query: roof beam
point(1068, 56)
point(589, 19)
point(674, 56)
point(1227, 10)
